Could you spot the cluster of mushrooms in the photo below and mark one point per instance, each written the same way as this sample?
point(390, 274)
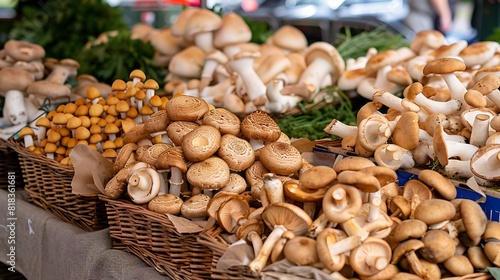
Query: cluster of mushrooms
point(28, 79)
point(211, 57)
point(448, 111)
point(96, 120)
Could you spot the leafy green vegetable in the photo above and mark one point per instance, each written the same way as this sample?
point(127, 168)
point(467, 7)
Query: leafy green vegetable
point(314, 117)
point(495, 36)
point(63, 27)
point(117, 58)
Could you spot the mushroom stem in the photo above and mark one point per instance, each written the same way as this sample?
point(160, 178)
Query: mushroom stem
point(392, 101)
point(163, 182)
point(344, 245)
point(319, 224)
point(260, 260)
point(374, 209)
point(340, 196)
point(480, 130)
point(310, 209)
point(352, 228)
point(416, 266)
point(273, 188)
point(256, 241)
point(457, 89)
point(459, 168)
point(176, 180)
point(444, 107)
point(340, 129)
point(378, 262)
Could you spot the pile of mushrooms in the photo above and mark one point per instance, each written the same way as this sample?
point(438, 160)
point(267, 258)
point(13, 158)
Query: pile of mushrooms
point(28, 79)
point(211, 57)
point(95, 121)
point(201, 150)
point(448, 111)
point(353, 221)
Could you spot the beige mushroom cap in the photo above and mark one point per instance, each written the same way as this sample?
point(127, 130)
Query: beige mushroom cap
point(334, 199)
point(188, 63)
point(439, 246)
point(292, 217)
point(317, 177)
point(176, 130)
point(231, 213)
point(24, 50)
point(363, 181)
point(438, 182)
point(233, 31)
point(237, 184)
point(195, 207)
point(301, 250)
point(124, 155)
point(405, 247)
point(202, 20)
point(433, 211)
point(474, 220)
point(186, 108)
point(371, 248)
point(407, 229)
point(328, 52)
point(492, 232)
point(201, 143)
point(406, 131)
point(290, 38)
point(14, 79)
point(166, 204)
point(259, 125)
point(459, 265)
point(280, 158)
point(211, 173)
point(251, 225)
point(237, 152)
point(492, 251)
point(445, 65)
point(224, 120)
point(352, 163)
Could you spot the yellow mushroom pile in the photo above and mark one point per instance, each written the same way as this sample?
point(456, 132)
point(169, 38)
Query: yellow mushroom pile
point(448, 111)
point(95, 121)
point(353, 221)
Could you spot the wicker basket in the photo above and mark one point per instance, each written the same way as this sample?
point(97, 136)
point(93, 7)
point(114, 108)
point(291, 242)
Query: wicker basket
point(48, 185)
point(154, 238)
point(211, 238)
point(9, 164)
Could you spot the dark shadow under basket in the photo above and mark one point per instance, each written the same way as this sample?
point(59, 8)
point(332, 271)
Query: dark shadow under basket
point(48, 185)
point(212, 239)
point(154, 238)
point(9, 165)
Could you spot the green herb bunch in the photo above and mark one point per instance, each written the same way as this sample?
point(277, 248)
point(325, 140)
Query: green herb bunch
point(116, 58)
point(63, 27)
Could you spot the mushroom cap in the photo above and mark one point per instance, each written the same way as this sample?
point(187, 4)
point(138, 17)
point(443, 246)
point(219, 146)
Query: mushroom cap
point(250, 225)
point(176, 130)
point(259, 125)
point(188, 63)
point(317, 177)
point(353, 163)
point(438, 182)
point(233, 30)
point(439, 246)
point(487, 84)
point(178, 28)
point(380, 60)
point(124, 154)
point(297, 192)
point(26, 131)
point(254, 175)
point(406, 131)
point(186, 108)
point(45, 88)
point(468, 116)
point(459, 265)
point(235, 207)
point(211, 173)
point(400, 203)
point(372, 247)
point(427, 40)
point(202, 20)
point(474, 220)
point(433, 211)
point(478, 53)
point(290, 38)
point(325, 239)
point(172, 157)
point(157, 122)
point(237, 152)
point(166, 204)
point(224, 120)
point(14, 79)
point(417, 188)
point(384, 175)
point(195, 207)
point(484, 162)
point(407, 229)
point(492, 232)
point(328, 52)
point(373, 131)
point(477, 257)
point(445, 65)
point(236, 184)
point(292, 217)
point(216, 202)
point(335, 211)
point(24, 50)
point(137, 73)
point(491, 250)
point(363, 181)
point(201, 143)
point(280, 158)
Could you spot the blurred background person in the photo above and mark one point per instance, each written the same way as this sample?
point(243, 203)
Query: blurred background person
point(431, 14)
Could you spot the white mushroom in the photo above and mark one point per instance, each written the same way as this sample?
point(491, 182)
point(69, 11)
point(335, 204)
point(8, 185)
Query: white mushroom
point(143, 185)
point(277, 102)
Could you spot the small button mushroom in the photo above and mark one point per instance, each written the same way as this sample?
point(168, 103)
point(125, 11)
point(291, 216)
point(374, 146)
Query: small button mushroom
point(477, 258)
point(459, 265)
point(279, 217)
point(166, 204)
point(259, 127)
point(407, 229)
point(406, 131)
point(27, 134)
point(372, 256)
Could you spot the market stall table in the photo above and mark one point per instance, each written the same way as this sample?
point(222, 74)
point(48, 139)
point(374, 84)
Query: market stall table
point(48, 248)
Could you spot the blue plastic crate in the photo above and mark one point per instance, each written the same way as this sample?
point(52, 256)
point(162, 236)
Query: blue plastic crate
point(491, 205)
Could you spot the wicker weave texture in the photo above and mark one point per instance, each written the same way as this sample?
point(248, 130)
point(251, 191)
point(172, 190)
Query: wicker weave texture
point(154, 238)
point(48, 185)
